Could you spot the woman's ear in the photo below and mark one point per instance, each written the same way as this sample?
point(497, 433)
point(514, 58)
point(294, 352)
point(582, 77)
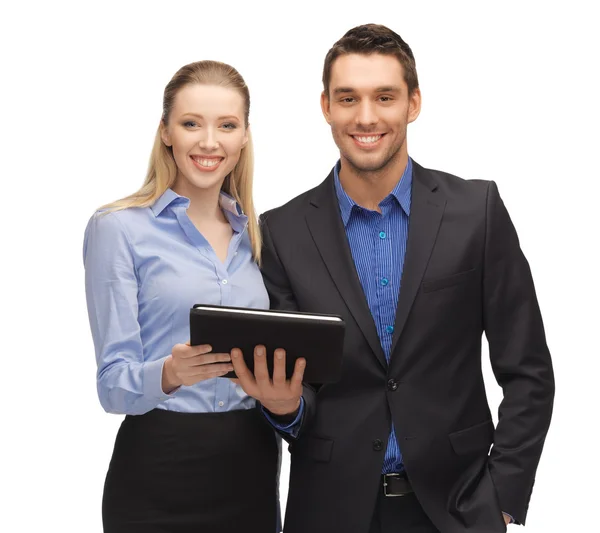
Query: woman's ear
point(246, 136)
point(164, 134)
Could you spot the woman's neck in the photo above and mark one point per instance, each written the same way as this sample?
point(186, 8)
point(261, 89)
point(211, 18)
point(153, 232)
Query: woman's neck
point(204, 203)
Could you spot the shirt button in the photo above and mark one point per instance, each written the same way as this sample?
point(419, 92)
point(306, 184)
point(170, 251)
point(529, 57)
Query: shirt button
point(221, 404)
point(392, 385)
point(377, 445)
point(382, 235)
point(389, 329)
point(384, 281)
point(224, 282)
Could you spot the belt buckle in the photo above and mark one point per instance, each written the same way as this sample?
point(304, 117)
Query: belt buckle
point(385, 492)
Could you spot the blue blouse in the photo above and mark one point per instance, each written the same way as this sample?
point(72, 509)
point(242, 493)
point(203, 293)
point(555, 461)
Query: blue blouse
point(144, 269)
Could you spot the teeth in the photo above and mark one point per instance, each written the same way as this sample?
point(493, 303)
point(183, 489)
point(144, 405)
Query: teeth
point(207, 162)
point(370, 139)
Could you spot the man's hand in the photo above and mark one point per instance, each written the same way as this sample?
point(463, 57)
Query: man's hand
point(279, 395)
point(507, 519)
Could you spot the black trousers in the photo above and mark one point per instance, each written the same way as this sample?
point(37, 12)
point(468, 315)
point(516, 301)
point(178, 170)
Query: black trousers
point(193, 472)
point(401, 514)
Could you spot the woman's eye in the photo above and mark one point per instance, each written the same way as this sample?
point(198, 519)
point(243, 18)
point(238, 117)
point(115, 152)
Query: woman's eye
point(229, 126)
point(189, 124)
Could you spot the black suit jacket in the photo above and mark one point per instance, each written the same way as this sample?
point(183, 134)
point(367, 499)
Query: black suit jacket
point(464, 274)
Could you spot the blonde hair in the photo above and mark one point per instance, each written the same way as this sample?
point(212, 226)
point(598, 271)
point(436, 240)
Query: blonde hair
point(162, 169)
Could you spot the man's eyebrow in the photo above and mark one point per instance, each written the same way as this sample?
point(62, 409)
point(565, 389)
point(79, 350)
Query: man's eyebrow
point(382, 89)
point(388, 89)
point(342, 90)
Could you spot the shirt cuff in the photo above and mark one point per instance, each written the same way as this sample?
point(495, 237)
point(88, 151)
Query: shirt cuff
point(512, 520)
point(152, 382)
point(291, 428)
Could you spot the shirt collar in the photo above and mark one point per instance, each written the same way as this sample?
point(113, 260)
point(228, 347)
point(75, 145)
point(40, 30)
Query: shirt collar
point(166, 199)
point(402, 192)
point(231, 208)
point(233, 212)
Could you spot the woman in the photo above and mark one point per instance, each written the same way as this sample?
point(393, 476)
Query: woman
point(193, 453)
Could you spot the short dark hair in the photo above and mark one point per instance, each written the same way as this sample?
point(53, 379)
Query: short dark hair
point(373, 39)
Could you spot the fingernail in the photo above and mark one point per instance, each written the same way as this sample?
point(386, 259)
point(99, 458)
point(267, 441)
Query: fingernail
point(234, 354)
point(279, 355)
point(208, 347)
point(260, 351)
point(302, 363)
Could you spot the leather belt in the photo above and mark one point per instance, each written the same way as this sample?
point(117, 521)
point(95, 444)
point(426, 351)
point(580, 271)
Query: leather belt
point(395, 484)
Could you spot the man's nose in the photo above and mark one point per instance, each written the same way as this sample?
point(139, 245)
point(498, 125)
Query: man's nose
point(366, 115)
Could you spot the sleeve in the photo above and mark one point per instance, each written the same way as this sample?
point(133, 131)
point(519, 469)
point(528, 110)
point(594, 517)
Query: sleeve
point(292, 427)
point(520, 361)
point(512, 520)
point(126, 383)
point(282, 297)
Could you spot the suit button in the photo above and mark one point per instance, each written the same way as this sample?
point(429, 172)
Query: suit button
point(377, 445)
point(392, 385)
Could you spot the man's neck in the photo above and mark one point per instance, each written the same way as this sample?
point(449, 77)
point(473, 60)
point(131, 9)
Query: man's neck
point(369, 189)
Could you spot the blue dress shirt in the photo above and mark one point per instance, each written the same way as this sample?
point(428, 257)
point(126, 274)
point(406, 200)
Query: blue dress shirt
point(378, 245)
point(144, 269)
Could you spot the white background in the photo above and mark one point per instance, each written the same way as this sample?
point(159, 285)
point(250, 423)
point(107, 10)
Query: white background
point(509, 93)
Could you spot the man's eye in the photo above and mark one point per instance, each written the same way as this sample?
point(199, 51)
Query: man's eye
point(348, 99)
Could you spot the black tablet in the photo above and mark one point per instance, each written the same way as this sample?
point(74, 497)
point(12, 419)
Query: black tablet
point(318, 338)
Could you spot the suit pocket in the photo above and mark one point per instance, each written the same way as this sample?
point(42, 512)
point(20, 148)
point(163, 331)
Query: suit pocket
point(474, 439)
point(316, 448)
point(447, 281)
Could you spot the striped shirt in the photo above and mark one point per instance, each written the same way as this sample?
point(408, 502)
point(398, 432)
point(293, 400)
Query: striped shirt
point(378, 245)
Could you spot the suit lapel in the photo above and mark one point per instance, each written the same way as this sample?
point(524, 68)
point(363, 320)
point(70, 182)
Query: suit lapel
point(427, 208)
point(328, 232)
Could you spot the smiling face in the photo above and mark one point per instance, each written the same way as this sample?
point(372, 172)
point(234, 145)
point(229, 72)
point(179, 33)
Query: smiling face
point(368, 108)
point(206, 131)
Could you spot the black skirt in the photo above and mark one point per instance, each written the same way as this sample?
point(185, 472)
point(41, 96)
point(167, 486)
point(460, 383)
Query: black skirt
point(193, 472)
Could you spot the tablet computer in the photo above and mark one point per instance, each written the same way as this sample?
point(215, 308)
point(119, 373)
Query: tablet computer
point(318, 338)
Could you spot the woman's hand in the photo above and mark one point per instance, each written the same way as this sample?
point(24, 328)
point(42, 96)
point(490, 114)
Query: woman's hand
point(188, 365)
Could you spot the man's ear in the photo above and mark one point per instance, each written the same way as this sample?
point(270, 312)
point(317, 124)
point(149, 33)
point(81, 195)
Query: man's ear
point(414, 106)
point(325, 106)
point(165, 135)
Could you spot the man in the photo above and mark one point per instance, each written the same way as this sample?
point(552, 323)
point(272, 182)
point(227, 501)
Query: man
point(419, 263)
